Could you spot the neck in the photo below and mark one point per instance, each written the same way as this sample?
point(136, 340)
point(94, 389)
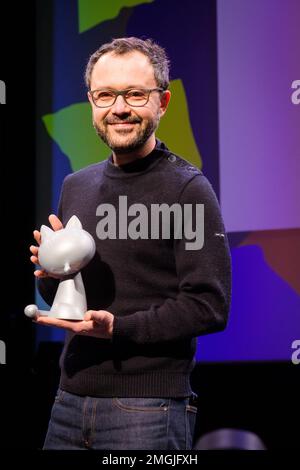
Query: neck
point(123, 158)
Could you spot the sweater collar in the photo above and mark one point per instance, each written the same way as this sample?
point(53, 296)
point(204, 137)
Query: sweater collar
point(136, 167)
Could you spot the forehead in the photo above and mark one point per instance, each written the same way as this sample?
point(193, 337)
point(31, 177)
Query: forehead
point(123, 71)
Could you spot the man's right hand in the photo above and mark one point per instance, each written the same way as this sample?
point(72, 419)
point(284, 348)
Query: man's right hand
point(56, 225)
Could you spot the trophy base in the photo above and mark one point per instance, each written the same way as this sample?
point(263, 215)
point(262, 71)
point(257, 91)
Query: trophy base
point(66, 311)
point(63, 312)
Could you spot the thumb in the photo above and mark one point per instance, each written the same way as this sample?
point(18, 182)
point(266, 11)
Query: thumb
point(55, 222)
point(98, 315)
point(88, 315)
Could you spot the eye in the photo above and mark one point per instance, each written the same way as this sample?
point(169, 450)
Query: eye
point(136, 94)
point(103, 95)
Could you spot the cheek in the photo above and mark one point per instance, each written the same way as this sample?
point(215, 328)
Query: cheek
point(146, 113)
point(98, 114)
point(153, 111)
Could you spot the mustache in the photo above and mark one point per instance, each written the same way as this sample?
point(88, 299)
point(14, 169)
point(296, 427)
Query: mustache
point(120, 121)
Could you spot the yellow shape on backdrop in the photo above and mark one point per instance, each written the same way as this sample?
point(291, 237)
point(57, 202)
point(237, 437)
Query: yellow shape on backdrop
point(93, 12)
point(175, 127)
point(71, 128)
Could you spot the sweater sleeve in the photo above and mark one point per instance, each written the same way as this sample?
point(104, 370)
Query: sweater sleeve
point(204, 281)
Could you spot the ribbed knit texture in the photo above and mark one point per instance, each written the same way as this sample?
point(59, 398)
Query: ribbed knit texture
point(162, 295)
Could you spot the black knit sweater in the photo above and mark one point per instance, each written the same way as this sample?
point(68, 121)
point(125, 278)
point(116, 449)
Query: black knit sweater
point(162, 295)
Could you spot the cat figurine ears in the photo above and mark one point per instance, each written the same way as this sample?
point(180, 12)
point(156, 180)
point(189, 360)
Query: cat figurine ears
point(47, 232)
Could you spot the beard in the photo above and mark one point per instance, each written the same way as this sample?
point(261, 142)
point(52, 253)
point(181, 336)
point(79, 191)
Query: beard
point(122, 141)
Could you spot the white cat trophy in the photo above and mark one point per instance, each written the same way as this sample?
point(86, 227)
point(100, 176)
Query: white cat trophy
point(63, 253)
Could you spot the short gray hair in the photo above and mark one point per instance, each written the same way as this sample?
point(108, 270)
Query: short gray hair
point(155, 53)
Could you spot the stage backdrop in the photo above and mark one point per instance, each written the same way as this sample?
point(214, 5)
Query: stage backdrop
point(232, 114)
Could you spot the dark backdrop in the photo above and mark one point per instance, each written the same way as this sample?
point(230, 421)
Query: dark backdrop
point(262, 397)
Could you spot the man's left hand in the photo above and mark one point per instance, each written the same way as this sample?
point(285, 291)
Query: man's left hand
point(97, 323)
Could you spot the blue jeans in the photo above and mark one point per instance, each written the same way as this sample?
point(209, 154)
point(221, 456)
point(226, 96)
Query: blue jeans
point(120, 423)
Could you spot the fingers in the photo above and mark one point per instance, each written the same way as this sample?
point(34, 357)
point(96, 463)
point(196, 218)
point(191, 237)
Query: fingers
point(49, 321)
point(95, 315)
point(55, 222)
point(98, 315)
point(56, 225)
point(78, 327)
point(88, 315)
point(37, 236)
point(101, 319)
point(84, 328)
point(40, 273)
point(34, 259)
point(34, 250)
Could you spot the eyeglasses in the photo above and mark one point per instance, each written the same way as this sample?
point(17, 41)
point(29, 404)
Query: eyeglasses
point(133, 96)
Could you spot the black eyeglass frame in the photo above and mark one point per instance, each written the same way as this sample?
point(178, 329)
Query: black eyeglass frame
point(123, 93)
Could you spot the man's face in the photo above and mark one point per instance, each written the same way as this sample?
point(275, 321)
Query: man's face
point(122, 127)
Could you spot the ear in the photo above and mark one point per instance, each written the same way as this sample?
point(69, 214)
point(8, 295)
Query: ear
point(164, 101)
point(46, 232)
point(74, 222)
point(90, 98)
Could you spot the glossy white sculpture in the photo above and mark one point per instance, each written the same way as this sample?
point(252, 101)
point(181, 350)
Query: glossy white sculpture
point(64, 253)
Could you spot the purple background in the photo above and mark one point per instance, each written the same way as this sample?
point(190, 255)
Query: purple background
point(258, 59)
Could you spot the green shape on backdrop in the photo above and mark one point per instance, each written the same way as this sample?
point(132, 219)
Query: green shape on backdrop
point(175, 128)
point(71, 128)
point(94, 12)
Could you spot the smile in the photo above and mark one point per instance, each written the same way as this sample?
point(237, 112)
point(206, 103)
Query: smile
point(123, 124)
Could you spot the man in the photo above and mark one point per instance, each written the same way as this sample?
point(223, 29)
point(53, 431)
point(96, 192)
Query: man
point(125, 369)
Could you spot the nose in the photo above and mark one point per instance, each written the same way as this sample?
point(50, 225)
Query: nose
point(120, 106)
